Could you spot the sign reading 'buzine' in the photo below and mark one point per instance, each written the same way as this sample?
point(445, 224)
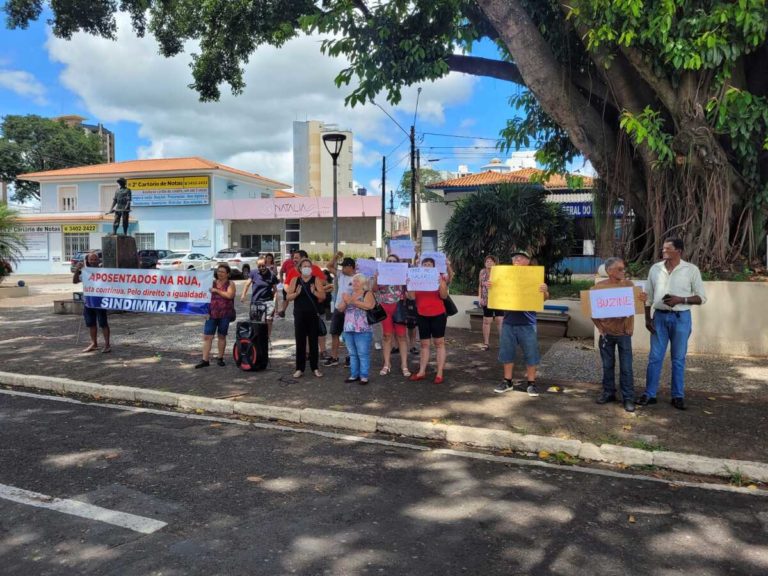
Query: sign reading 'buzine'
point(392, 274)
point(612, 302)
point(423, 279)
point(158, 291)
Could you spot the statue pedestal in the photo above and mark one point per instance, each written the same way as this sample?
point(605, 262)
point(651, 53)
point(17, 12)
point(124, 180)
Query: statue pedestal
point(119, 252)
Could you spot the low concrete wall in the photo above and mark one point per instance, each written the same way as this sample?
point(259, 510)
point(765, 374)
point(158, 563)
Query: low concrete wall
point(14, 291)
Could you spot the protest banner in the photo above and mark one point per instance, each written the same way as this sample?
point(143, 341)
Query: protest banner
point(439, 259)
point(366, 267)
point(423, 279)
point(516, 288)
point(158, 291)
point(611, 302)
point(404, 249)
point(392, 274)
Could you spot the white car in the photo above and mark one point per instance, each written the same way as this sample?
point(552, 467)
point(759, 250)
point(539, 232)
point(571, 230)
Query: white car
point(240, 261)
point(182, 261)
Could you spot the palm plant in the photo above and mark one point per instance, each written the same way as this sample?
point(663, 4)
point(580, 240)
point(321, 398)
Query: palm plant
point(501, 219)
point(11, 242)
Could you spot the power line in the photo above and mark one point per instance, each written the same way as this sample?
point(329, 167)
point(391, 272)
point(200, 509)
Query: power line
point(460, 136)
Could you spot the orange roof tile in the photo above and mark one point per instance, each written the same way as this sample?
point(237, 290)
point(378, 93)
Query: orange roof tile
point(126, 168)
point(490, 178)
point(285, 194)
point(67, 217)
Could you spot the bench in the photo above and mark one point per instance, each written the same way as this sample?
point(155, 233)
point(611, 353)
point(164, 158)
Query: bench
point(552, 322)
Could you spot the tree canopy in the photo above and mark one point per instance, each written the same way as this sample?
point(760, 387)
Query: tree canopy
point(426, 176)
point(11, 242)
point(32, 144)
point(668, 99)
point(498, 220)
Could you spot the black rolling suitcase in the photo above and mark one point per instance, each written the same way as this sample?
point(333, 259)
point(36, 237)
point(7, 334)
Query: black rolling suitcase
point(251, 349)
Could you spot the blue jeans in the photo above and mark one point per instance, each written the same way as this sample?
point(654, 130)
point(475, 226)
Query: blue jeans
point(359, 349)
point(608, 345)
point(523, 336)
point(672, 328)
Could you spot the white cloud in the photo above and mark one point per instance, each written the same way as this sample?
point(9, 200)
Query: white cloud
point(24, 84)
point(126, 80)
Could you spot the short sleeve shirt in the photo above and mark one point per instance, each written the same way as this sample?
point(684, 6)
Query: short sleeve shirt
point(261, 287)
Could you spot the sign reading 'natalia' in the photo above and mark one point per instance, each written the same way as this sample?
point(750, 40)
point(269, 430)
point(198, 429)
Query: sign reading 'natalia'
point(172, 191)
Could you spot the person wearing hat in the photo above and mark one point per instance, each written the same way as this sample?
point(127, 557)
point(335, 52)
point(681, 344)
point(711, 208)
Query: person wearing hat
point(343, 287)
point(121, 206)
point(519, 329)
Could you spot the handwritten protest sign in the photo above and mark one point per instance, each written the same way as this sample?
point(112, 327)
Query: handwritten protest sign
point(158, 291)
point(516, 288)
point(424, 279)
point(404, 249)
point(610, 302)
point(392, 274)
point(366, 267)
point(439, 259)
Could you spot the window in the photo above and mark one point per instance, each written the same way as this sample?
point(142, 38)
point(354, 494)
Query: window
point(261, 242)
point(429, 240)
point(68, 198)
point(179, 241)
point(107, 193)
point(144, 240)
point(74, 243)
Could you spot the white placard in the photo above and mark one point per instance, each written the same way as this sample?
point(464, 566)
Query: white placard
point(612, 302)
point(439, 259)
point(423, 279)
point(366, 267)
point(404, 249)
point(392, 274)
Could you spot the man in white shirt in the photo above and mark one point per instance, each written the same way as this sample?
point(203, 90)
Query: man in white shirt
point(673, 286)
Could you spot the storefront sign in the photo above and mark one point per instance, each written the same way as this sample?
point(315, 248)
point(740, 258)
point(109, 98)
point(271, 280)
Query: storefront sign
point(79, 228)
point(158, 291)
point(178, 191)
point(584, 209)
point(37, 246)
point(37, 228)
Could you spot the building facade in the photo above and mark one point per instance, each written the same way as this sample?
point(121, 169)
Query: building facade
point(107, 137)
point(313, 165)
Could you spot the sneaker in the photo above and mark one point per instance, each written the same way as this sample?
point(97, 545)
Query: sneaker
point(330, 361)
point(395, 350)
point(504, 386)
point(202, 364)
point(414, 350)
point(532, 389)
point(646, 400)
point(324, 355)
point(221, 362)
point(377, 346)
point(317, 373)
point(346, 362)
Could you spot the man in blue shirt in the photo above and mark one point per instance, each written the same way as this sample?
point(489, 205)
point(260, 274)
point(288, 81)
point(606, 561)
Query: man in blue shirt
point(262, 283)
point(519, 329)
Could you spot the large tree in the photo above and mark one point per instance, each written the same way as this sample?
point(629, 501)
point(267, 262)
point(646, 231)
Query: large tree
point(32, 143)
point(11, 242)
point(668, 99)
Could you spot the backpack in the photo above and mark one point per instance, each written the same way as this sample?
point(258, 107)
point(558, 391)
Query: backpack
point(251, 349)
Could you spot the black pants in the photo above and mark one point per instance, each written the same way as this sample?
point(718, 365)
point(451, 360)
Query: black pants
point(118, 216)
point(306, 326)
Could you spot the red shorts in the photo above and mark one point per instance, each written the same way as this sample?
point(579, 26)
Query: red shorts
point(387, 325)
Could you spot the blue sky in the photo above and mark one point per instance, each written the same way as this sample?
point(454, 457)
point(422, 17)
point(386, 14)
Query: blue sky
point(143, 98)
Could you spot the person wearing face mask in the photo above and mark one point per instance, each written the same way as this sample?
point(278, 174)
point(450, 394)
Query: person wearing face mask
point(388, 297)
point(262, 283)
point(432, 320)
point(306, 291)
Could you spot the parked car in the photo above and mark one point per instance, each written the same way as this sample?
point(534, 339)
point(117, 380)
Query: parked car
point(149, 258)
point(181, 261)
point(240, 261)
point(79, 257)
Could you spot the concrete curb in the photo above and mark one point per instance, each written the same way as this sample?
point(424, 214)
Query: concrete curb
point(488, 438)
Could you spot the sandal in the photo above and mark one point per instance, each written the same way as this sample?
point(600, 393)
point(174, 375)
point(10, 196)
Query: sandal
point(384, 371)
point(298, 374)
point(438, 380)
point(417, 377)
point(107, 350)
point(406, 372)
point(485, 347)
point(91, 348)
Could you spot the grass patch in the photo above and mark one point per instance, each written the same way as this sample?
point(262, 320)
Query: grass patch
point(643, 445)
point(737, 477)
point(571, 290)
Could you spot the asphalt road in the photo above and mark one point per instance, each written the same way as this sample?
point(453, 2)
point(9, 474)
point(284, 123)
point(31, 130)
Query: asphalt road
point(185, 496)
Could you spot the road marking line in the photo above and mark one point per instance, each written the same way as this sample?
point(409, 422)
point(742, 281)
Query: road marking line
point(404, 445)
point(81, 509)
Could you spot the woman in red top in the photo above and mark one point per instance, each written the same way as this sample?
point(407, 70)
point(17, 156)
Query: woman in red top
point(221, 314)
point(432, 320)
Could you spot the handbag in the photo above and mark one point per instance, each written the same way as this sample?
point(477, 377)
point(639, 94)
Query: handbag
point(321, 329)
point(450, 306)
point(401, 313)
point(376, 314)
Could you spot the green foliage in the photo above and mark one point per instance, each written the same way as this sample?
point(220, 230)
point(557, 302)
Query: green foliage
point(11, 243)
point(426, 176)
point(33, 144)
point(571, 290)
point(647, 127)
point(500, 219)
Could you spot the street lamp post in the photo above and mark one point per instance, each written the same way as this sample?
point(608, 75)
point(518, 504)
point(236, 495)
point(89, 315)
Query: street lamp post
point(333, 143)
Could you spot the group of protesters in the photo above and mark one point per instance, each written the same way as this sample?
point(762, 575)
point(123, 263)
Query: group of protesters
point(345, 297)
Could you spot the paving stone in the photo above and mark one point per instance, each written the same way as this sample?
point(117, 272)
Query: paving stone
point(208, 404)
point(268, 412)
point(623, 455)
point(336, 419)
point(411, 428)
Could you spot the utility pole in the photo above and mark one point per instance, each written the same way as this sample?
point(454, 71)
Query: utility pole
point(417, 180)
point(383, 205)
point(391, 213)
point(414, 207)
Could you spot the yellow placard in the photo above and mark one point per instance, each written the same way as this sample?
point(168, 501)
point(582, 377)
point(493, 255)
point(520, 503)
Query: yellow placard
point(79, 228)
point(516, 288)
point(172, 183)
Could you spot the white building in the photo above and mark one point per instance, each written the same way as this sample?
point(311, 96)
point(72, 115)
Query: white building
point(313, 165)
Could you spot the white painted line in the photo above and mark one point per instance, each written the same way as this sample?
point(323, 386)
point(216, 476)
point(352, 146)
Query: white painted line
point(403, 445)
point(81, 509)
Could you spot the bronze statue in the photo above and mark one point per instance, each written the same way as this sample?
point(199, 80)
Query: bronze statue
point(121, 206)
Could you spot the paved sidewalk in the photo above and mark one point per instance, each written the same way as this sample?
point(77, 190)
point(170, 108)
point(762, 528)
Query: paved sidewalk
point(727, 397)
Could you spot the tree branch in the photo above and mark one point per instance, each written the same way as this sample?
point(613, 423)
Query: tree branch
point(360, 5)
point(484, 67)
point(661, 86)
